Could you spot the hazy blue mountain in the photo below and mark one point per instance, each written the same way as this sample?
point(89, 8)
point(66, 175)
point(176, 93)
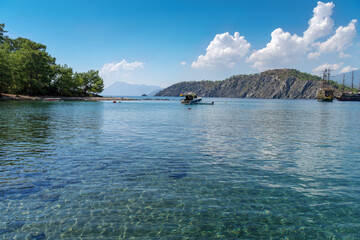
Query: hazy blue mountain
point(127, 89)
point(153, 93)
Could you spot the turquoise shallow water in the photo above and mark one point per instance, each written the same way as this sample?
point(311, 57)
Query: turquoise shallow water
point(242, 168)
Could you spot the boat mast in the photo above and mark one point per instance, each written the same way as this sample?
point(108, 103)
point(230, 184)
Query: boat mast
point(324, 78)
point(352, 81)
point(344, 82)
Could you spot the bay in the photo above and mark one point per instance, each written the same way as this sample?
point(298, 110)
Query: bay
point(242, 168)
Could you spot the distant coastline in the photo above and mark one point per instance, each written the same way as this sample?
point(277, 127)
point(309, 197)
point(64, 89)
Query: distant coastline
point(16, 97)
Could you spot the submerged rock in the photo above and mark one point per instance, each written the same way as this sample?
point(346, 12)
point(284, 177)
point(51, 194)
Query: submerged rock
point(177, 175)
point(12, 227)
point(19, 191)
point(50, 197)
point(37, 236)
point(177, 169)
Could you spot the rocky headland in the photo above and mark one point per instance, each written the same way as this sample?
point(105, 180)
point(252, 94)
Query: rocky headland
point(277, 83)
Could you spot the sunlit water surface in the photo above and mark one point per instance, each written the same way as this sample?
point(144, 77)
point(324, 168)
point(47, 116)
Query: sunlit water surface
point(156, 169)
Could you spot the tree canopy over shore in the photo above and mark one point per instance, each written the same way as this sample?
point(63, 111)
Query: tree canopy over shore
point(26, 68)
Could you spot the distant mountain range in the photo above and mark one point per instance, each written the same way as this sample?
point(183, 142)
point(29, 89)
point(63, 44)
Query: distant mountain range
point(277, 83)
point(127, 89)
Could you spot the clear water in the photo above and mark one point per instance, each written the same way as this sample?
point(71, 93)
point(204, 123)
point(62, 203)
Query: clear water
point(242, 168)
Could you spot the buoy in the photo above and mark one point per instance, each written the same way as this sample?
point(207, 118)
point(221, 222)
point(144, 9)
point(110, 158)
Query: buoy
point(119, 102)
point(189, 108)
point(114, 101)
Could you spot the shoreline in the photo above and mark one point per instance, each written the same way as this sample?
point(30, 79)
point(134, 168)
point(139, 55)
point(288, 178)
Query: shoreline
point(17, 97)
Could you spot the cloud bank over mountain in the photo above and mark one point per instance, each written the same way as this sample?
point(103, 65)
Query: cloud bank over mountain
point(112, 72)
point(126, 89)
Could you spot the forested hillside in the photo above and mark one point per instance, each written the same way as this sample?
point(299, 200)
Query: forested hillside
point(278, 83)
point(27, 68)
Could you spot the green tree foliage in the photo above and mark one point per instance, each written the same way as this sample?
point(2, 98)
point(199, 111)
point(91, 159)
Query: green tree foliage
point(26, 68)
point(2, 31)
point(90, 82)
point(5, 75)
point(31, 67)
point(62, 81)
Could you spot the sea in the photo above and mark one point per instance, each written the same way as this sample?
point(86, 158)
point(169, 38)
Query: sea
point(158, 169)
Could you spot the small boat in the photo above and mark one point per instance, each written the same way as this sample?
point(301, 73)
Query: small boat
point(192, 98)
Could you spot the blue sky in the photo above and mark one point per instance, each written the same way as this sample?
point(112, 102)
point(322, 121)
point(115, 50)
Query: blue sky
point(164, 42)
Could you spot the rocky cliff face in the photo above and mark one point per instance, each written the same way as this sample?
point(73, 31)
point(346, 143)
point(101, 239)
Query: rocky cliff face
point(279, 83)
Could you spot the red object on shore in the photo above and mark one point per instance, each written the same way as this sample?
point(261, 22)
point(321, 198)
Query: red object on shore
point(114, 101)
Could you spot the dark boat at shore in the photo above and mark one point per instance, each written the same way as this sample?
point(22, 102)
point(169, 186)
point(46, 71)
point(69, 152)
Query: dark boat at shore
point(349, 96)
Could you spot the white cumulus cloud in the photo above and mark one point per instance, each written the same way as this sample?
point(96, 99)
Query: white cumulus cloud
point(348, 69)
point(285, 49)
point(320, 24)
point(342, 39)
point(314, 55)
point(282, 50)
point(344, 55)
point(324, 66)
point(120, 71)
point(123, 65)
point(224, 50)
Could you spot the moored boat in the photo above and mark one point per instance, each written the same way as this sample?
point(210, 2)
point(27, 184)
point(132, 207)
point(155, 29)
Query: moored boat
point(349, 96)
point(192, 98)
point(326, 93)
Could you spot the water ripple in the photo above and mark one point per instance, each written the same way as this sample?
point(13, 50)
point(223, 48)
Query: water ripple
point(244, 169)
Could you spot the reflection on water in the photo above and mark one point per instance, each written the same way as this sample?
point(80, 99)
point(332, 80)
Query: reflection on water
point(242, 168)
